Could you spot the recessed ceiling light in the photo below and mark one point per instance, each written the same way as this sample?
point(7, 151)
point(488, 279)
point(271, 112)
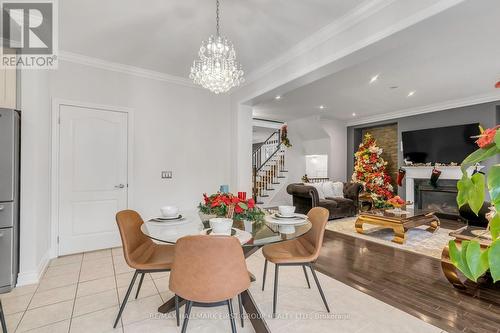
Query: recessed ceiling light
point(321, 107)
point(278, 97)
point(411, 93)
point(354, 114)
point(374, 78)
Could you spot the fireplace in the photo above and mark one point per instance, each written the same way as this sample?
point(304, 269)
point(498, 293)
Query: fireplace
point(440, 199)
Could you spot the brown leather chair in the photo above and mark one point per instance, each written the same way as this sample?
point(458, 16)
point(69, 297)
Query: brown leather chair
point(140, 252)
point(302, 251)
point(2, 318)
point(208, 271)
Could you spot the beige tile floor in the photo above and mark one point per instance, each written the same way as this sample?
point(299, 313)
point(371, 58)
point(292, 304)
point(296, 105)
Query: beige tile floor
point(81, 293)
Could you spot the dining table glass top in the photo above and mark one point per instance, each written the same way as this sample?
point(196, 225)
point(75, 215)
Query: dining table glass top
point(253, 233)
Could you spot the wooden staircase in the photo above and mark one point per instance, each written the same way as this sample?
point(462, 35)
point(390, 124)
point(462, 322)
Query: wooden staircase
point(268, 164)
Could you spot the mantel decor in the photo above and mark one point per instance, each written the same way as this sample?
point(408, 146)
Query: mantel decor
point(471, 257)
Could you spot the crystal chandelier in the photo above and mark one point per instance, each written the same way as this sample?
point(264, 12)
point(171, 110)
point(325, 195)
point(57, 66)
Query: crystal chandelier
point(217, 68)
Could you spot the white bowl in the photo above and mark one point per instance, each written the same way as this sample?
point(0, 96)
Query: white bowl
point(286, 211)
point(169, 211)
point(221, 225)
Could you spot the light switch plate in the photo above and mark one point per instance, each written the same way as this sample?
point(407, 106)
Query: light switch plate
point(166, 175)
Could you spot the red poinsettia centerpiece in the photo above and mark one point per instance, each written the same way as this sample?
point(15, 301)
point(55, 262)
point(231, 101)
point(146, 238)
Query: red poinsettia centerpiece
point(219, 204)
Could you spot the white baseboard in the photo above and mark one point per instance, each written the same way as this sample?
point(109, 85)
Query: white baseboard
point(34, 276)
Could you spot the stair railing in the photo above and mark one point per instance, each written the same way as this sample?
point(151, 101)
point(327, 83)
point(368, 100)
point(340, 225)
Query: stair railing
point(262, 155)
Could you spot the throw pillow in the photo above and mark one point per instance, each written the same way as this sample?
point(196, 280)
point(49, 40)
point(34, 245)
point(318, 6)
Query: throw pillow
point(338, 190)
point(328, 189)
point(319, 188)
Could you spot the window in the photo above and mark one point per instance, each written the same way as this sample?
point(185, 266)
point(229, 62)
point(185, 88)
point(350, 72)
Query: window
point(317, 166)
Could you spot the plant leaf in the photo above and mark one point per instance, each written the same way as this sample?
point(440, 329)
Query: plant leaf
point(476, 259)
point(480, 155)
point(476, 196)
point(495, 226)
point(458, 258)
point(494, 183)
point(463, 186)
point(497, 139)
point(471, 191)
point(494, 260)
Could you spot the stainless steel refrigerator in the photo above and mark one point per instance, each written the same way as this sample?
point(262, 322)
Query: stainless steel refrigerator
point(10, 127)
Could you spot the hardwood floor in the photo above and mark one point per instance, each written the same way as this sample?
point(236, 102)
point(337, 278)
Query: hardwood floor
point(410, 282)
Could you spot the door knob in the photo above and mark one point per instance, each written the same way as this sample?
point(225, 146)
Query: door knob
point(120, 186)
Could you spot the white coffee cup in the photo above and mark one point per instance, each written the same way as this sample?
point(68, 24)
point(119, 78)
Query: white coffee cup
point(286, 211)
point(221, 225)
point(169, 211)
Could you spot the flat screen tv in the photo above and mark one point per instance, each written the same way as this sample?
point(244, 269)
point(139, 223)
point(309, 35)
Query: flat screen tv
point(440, 145)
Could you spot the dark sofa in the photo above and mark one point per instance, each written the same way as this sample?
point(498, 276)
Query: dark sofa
point(306, 197)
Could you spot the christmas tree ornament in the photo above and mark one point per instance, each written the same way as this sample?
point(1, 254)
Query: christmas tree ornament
point(370, 171)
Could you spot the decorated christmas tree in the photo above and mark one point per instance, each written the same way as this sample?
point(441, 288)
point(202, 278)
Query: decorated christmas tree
point(370, 170)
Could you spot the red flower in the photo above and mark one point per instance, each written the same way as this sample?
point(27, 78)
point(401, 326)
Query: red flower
point(487, 137)
point(238, 209)
point(251, 203)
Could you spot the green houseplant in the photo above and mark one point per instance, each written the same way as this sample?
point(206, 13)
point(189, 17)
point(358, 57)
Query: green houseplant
point(469, 258)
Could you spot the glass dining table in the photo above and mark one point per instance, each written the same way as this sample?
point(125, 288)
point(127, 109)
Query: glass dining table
point(252, 236)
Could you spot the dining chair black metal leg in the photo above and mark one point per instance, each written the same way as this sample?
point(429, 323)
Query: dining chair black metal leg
point(275, 296)
point(140, 285)
point(189, 304)
point(307, 277)
point(231, 315)
point(319, 287)
point(2, 318)
point(264, 275)
point(177, 310)
point(242, 315)
point(122, 307)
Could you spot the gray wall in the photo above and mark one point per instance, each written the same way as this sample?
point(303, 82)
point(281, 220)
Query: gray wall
point(488, 115)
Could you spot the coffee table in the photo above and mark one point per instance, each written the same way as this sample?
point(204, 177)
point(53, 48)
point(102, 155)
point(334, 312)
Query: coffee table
point(400, 222)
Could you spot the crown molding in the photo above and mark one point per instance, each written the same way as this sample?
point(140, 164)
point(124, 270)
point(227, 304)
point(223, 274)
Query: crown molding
point(361, 12)
point(125, 69)
point(443, 106)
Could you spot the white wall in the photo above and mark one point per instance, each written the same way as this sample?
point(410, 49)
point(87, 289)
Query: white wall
point(183, 129)
point(337, 164)
point(35, 172)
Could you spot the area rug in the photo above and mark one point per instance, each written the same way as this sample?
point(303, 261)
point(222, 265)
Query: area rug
point(418, 240)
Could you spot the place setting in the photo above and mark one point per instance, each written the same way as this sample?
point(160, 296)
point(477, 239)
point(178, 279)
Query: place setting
point(221, 226)
point(285, 219)
point(170, 216)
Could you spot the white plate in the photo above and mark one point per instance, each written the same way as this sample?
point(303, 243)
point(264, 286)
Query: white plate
point(243, 236)
point(162, 218)
point(297, 220)
point(168, 223)
point(293, 216)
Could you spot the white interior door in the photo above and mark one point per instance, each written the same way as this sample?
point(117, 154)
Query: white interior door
point(92, 177)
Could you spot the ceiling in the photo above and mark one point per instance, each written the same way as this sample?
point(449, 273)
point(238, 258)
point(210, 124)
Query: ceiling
point(165, 35)
point(452, 55)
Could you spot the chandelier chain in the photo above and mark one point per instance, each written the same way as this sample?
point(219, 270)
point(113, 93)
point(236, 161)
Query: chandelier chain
point(217, 18)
